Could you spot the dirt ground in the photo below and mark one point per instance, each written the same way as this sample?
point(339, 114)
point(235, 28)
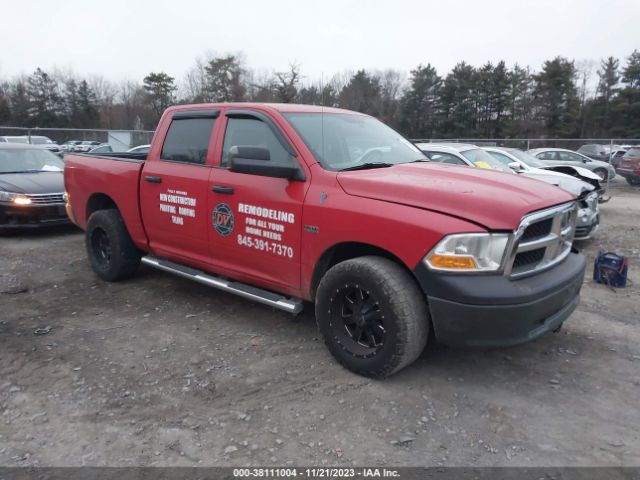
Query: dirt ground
point(161, 371)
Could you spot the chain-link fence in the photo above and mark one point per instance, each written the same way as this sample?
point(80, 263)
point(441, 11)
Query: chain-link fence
point(532, 143)
point(118, 140)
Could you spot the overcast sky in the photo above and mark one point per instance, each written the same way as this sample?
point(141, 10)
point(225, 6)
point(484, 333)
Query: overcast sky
point(126, 39)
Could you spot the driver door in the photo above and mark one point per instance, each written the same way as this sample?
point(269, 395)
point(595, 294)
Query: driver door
point(257, 220)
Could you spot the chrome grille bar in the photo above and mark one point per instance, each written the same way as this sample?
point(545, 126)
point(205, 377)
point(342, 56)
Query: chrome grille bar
point(546, 251)
point(46, 198)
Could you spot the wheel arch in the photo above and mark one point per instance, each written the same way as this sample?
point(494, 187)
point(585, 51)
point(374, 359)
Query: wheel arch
point(99, 201)
point(345, 251)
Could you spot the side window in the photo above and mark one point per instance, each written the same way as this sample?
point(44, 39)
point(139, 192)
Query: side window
point(502, 158)
point(569, 157)
point(547, 156)
point(445, 158)
point(188, 140)
point(250, 132)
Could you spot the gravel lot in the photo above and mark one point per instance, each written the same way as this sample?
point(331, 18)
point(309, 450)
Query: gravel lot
point(160, 371)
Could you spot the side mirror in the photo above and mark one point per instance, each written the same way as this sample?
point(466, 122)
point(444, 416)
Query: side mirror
point(257, 161)
point(515, 166)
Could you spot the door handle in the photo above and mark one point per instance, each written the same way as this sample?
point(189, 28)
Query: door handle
point(222, 189)
point(151, 179)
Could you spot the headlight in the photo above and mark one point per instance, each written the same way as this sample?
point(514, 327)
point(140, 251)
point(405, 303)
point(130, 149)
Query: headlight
point(469, 252)
point(22, 200)
point(15, 198)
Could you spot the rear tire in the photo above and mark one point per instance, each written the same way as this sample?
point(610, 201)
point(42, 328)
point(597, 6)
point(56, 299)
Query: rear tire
point(633, 180)
point(372, 316)
point(112, 254)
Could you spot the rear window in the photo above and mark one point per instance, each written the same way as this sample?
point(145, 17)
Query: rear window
point(633, 152)
point(188, 140)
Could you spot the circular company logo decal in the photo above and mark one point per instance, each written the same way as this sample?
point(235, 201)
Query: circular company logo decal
point(222, 219)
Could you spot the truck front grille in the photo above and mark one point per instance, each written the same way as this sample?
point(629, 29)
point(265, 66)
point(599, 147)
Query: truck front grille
point(46, 198)
point(538, 230)
point(542, 240)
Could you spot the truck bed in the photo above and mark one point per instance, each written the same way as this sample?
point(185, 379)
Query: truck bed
point(121, 155)
point(93, 181)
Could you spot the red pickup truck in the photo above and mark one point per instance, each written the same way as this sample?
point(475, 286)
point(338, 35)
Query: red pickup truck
point(290, 203)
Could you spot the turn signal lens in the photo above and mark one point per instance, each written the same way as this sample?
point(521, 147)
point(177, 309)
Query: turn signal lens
point(453, 262)
point(22, 200)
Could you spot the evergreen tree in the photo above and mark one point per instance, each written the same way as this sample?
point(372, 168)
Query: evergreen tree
point(608, 80)
point(519, 98)
point(19, 102)
point(71, 102)
point(160, 89)
point(224, 80)
point(45, 103)
point(419, 105)
point(458, 102)
point(362, 94)
point(556, 97)
point(631, 72)
point(88, 113)
point(5, 109)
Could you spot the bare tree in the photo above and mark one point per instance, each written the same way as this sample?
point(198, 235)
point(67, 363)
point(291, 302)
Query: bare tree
point(286, 84)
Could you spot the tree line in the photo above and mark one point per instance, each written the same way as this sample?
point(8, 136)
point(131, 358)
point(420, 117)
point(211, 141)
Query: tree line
point(489, 101)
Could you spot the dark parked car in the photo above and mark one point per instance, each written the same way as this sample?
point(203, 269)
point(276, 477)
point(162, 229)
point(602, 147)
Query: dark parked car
point(31, 187)
point(595, 151)
point(629, 166)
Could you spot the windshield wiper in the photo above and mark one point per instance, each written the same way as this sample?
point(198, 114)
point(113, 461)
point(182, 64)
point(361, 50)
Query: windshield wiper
point(420, 160)
point(24, 171)
point(367, 166)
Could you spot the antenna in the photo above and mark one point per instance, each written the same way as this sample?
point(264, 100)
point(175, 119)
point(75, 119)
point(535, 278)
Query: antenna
point(322, 112)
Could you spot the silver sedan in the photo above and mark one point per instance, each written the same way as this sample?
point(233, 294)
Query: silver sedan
point(562, 156)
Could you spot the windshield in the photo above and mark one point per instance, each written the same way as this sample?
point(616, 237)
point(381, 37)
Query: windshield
point(17, 160)
point(340, 141)
point(482, 159)
point(527, 158)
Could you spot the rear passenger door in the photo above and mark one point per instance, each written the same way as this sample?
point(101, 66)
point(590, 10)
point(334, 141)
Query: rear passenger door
point(174, 189)
point(257, 220)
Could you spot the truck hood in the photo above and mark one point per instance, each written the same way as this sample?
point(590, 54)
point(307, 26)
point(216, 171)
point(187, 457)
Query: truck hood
point(36, 182)
point(495, 200)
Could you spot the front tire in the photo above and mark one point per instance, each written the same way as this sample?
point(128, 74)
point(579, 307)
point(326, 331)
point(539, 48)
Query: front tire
point(372, 316)
point(602, 173)
point(112, 254)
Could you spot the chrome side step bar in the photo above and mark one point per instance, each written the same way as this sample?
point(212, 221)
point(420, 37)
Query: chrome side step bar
point(291, 305)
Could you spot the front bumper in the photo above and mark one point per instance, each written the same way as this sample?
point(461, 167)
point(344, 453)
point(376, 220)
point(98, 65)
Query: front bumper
point(32, 216)
point(493, 310)
point(628, 172)
point(587, 224)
